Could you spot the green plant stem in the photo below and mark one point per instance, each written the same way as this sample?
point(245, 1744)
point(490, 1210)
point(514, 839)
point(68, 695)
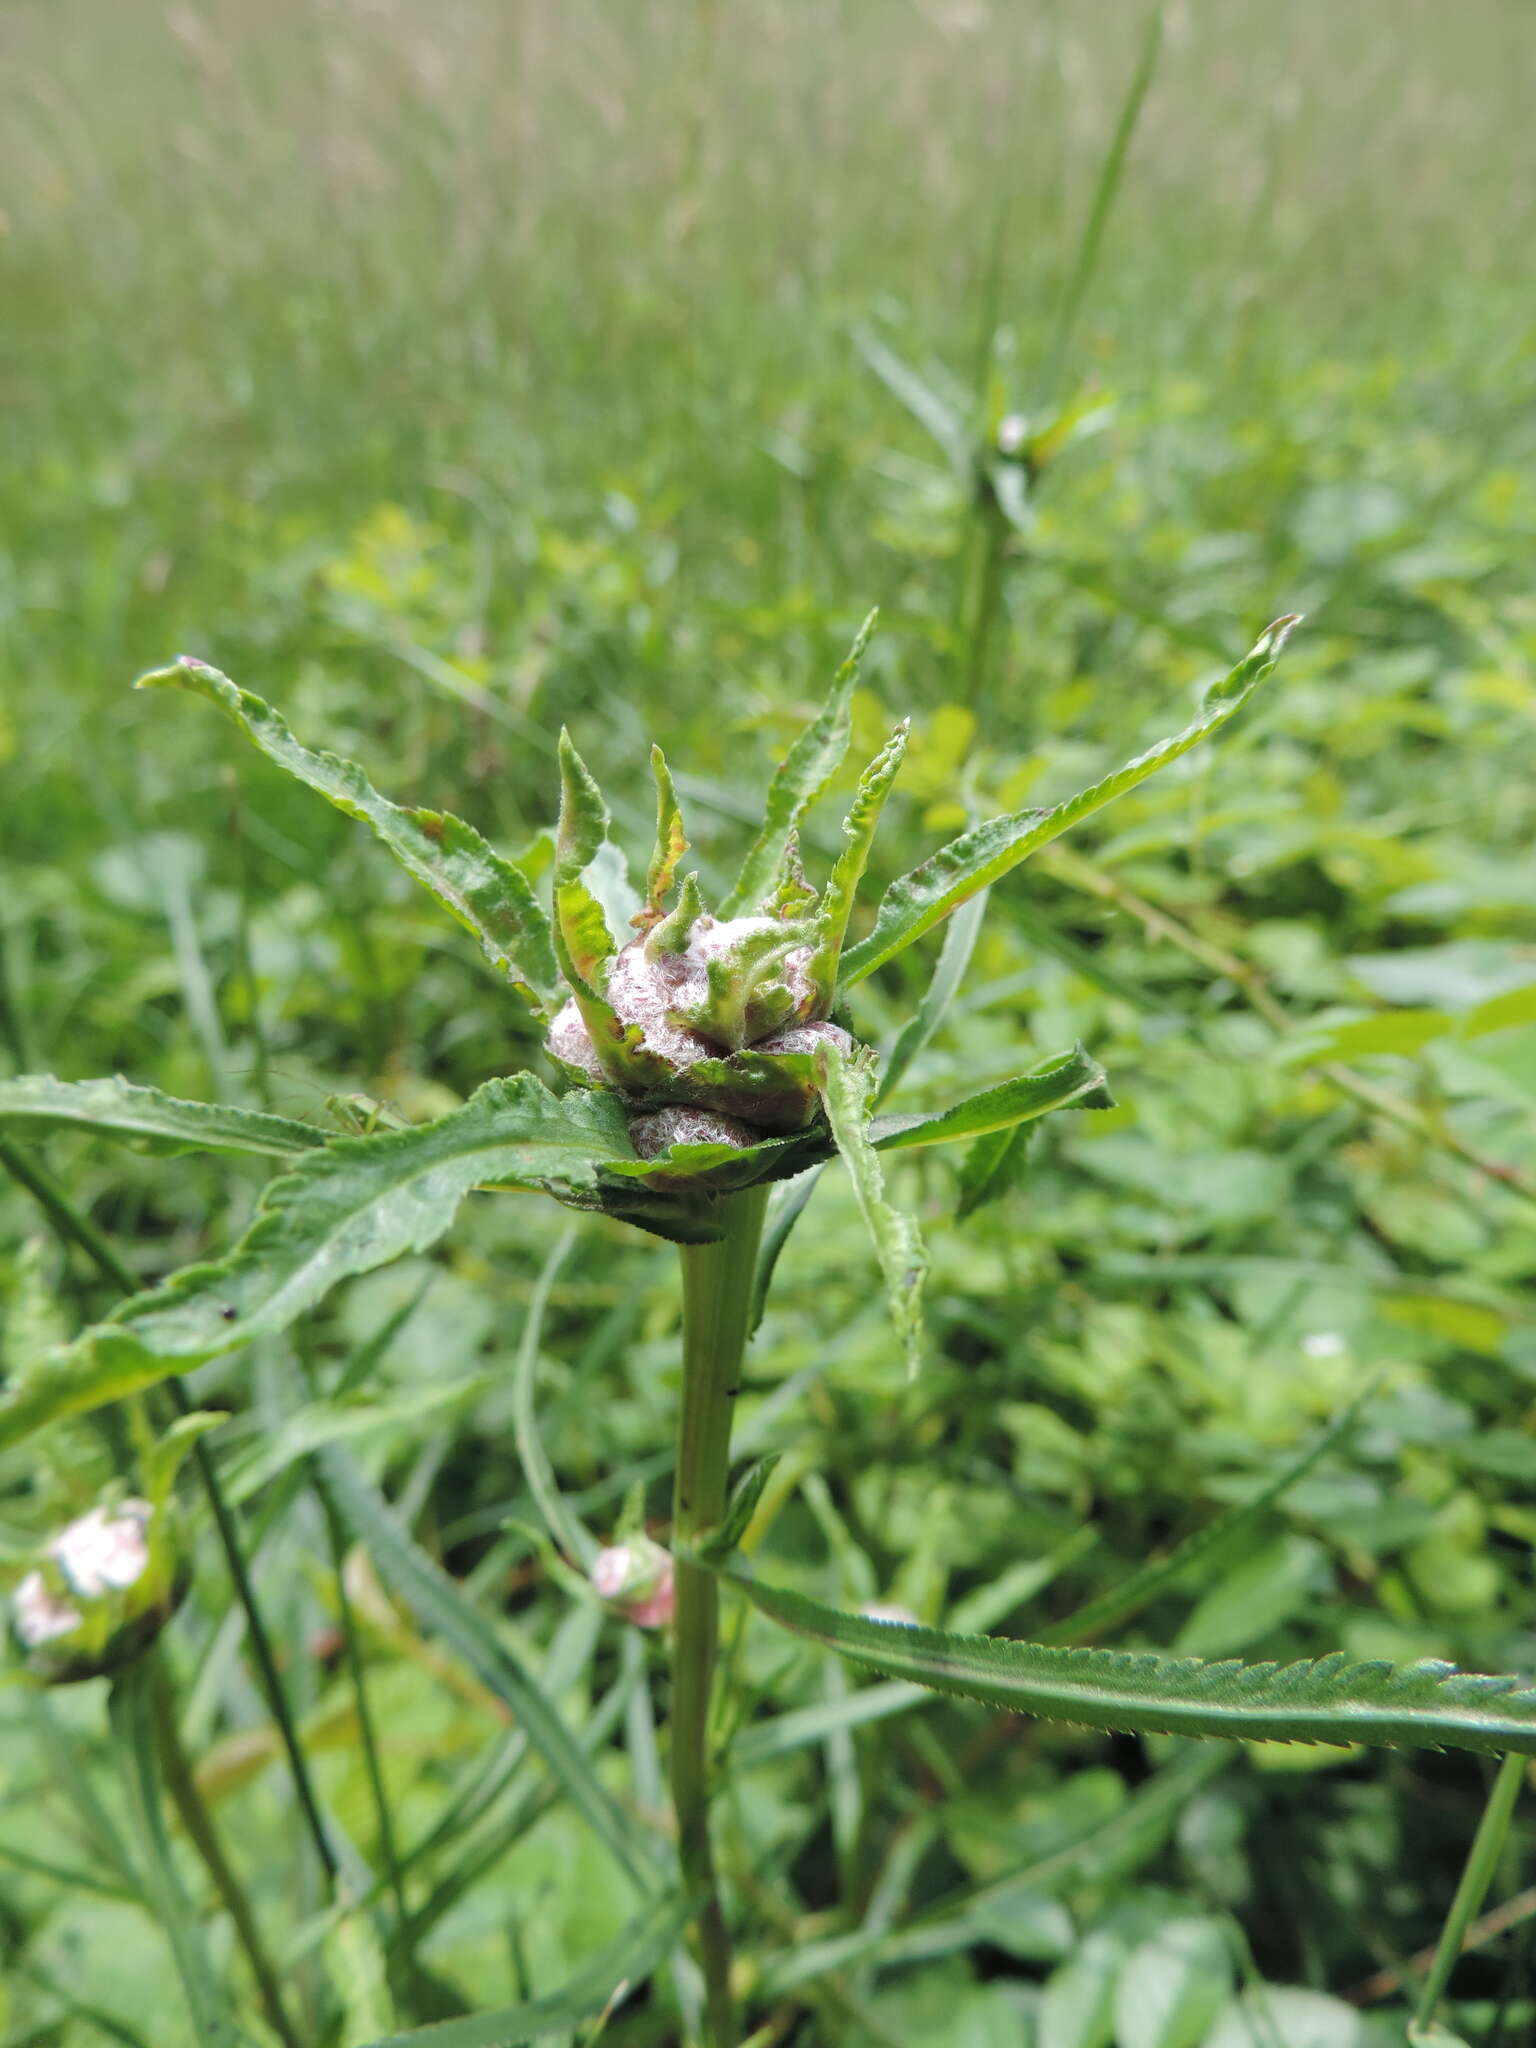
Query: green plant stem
point(181, 1783)
point(1482, 1860)
point(989, 590)
point(717, 1305)
point(75, 1227)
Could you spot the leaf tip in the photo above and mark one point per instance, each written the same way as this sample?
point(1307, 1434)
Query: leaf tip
point(174, 675)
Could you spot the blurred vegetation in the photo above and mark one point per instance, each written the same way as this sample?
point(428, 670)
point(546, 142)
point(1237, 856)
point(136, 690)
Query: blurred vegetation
point(447, 374)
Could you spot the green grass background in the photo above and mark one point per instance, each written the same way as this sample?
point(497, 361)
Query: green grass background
point(449, 373)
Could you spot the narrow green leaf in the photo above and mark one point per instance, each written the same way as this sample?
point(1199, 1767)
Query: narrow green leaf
point(352, 1205)
point(583, 824)
point(787, 1209)
point(740, 1508)
point(993, 1167)
point(932, 412)
point(720, 1169)
point(848, 869)
point(799, 1727)
point(1328, 1699)
point(130, 1713)
point(954, 958)
point(114, 1107)
point(563, 1524)
point(916, 902)
point(800, 778)
point(847, 1090)
point(671, 840)
point(678, 1218)
point(583, 942)
point(440, 1606)
point(1108, 183)
point(614, 1971)
point(473, 882)
point(1070, 1080)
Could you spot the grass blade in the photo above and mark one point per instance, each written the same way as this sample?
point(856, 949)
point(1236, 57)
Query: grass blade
point(960, 936)
point(130, 1711)
point(441, 1607)
point(1108, 184)
point(563, 1524)
point(611, 1973)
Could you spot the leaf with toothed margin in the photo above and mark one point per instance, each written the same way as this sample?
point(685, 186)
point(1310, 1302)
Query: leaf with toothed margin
point(473, 882)
point(346, 1208)
point(671, 841)
point(721, 1169)
point(801, 777)
point(1318, 1700)
point(848, 870)
point(993, 1167)
point(583, 941)
point(847, 1091)
point(1073, 1080)
point(916, 902)
point(115, 1108)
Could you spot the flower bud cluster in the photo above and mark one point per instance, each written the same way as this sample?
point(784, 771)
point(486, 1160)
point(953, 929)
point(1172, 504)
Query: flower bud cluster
point(707, 1027)
point(105, 1586)
point(717, 1032)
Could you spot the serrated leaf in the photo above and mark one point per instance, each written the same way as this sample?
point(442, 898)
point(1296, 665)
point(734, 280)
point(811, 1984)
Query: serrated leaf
point(740, 1508)
point(800, 778)
point(354, 1204)
point(671, 839)
point(34, 1323)
point(917, 901)
point(722, 1169)
point(848, 869)
point(583, 942)
point(1071, 1079)
point(1324, 1699)
point(476, 885)
point(117, 1108)
point(621, 1967)
point(847, 1091)
point(993, 1167)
